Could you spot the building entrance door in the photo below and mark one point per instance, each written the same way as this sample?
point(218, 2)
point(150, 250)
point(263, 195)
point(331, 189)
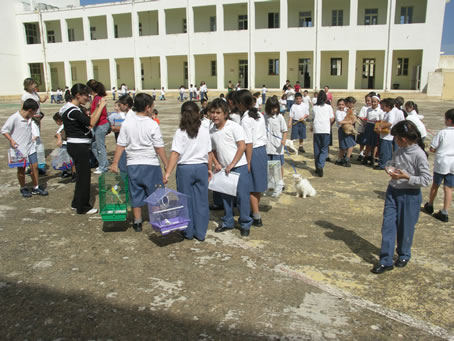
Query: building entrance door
point(304, 76)
point(368, 81)
point(243, 73)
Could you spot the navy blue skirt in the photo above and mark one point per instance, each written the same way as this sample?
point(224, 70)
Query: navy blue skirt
point(259, 170)
point(345, 141)
point(370, 136)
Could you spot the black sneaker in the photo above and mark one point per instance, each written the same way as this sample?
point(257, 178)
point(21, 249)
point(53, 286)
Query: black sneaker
point(347, 163)
point(301, 150)
point(441, 216)
point(39, 191)
point(428, 208)
point(360, 158)
point(25, 193)
point(73, 178)
point(257, 222)
point(137, 227)
point(338, 163)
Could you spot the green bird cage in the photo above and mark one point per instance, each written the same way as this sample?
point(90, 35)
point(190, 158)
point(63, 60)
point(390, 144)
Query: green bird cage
point(113, 196)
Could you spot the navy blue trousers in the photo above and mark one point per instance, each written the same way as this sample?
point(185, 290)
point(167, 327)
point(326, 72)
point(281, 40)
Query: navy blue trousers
point(242, 201)
point(385, 152)
point(192, 180)
point(321, 144)
point(400, 216)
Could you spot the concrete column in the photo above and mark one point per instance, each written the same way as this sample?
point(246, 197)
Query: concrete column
point(251, 54)
point(220, 71)
point(68, 74)
point(282, 68)
point(163, 64)
point(90, 73)
point(162, 24)
point(64, 30)
point(389, 51)
point(351, 69)
point(113, 73)
point(190, 55)
point(49, 84)
point(317, 54)
point(110, 26)
point(135, 23)
point(138, 74)
point(86, 28)
point(283, 14)
point(318, 70)
point(191, 69)
point(353, 12)
point(219, 17)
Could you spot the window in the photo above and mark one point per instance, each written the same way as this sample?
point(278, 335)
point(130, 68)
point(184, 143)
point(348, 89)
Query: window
point(213, 68)
point(185, 26)
point(336, 66)
point(31, 33)
point(140, 29)
point(71, 35)
point(142, 72)
point(212, 24)
point(73, 73)
point(242, 22)
point(35, 72)
point(185, 66)
point(402, 66)
point(273, 67)
point(371, 16)
point(305, 19)
point(116, 31)
point(273, 20)
point(337, 18)
point(51, 36)
point(406, 15)
point(96, 72)
point(92, 33)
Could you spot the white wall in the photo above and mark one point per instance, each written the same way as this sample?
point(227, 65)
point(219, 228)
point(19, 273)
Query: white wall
point(12, 66)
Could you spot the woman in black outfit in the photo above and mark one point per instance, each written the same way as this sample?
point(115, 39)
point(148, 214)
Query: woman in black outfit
point(79, 137)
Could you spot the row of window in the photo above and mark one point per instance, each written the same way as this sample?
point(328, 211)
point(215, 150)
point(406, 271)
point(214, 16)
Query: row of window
point(305, 19)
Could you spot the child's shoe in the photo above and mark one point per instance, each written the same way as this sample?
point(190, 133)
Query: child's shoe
point(301, 150)
point(441, 216)
point(73, 178)
point(338, 163)
point(137, 227)
point(428, 208)
point(347, 162)
point(39, 191)
point(25, 193)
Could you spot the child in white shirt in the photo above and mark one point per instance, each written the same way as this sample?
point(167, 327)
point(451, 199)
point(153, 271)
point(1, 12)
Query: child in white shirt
point(299, 113)
point(141, 137)
point(443, 147)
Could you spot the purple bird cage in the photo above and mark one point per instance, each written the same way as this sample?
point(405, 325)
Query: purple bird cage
point(168, 210)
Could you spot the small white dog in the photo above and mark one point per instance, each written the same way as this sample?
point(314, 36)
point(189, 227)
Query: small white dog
point(303, 187)
point(291, 147)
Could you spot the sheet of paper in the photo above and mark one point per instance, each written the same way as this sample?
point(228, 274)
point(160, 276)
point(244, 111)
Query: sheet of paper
point(223, 183)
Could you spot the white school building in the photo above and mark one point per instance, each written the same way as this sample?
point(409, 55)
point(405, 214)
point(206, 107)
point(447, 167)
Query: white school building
point(346, 44)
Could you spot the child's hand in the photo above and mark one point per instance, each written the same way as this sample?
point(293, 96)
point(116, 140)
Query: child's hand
point(217, 167)
point(210, 175)
point(102, 102)
point(398, 174)
point(283, 142)
point(228, 169)
point(165, 178)
point(13, 144)
point(113, 168)
point(59, 143)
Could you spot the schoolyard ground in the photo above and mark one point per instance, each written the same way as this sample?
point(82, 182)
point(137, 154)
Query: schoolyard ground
point(304, 275)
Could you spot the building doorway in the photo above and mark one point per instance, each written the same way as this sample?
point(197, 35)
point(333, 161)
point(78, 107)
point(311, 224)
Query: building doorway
point(304, 76)
point(368, 79)
point(243, 73)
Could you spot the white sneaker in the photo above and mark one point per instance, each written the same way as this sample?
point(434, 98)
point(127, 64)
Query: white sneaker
point(92, 211)
point(98, 171)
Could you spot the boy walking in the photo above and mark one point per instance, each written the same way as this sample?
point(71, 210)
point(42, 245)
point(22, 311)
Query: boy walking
point(299, 112)
point(443, 147)
point(18, 131)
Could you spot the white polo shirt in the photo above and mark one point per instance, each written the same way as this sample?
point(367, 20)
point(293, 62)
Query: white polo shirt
point(322, 119)
point(298, 111)
point(254, 129)
point(34, 96)
point(275, 128)
point(20, 129)
point(393, 117)
point(443, 142)
point(140, 135)
point(192, 150)
point(418, 123)
point(374, 115)
point(224, 142)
